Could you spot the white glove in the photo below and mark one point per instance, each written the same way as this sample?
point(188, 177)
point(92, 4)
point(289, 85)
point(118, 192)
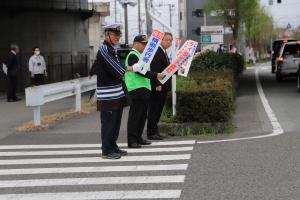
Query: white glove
point(137, 67)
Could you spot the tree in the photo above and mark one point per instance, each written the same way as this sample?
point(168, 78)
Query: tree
point(258, 24)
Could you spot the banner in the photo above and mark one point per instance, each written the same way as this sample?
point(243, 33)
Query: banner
point(172, 68)
point(191, 48)
point(150, 50)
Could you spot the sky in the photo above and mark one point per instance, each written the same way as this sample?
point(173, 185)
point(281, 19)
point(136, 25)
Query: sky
point(161, 8)
point(286, 12)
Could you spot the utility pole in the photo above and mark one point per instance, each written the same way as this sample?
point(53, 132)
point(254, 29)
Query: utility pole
point(170, 10)
point(126, 22)
point(125, 4)
point(148, 18)
point(139, 15)
point(115, 11)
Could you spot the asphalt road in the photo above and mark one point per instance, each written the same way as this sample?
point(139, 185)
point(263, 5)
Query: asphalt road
point(262, 168)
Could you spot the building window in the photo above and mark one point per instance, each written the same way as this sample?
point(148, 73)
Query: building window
point(180, 16)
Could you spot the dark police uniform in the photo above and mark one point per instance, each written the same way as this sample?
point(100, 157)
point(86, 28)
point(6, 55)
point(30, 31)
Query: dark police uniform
point(111, 95)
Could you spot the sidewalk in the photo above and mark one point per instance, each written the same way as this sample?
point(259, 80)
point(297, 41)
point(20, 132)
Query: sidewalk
point(87, 127)
point(14, 114)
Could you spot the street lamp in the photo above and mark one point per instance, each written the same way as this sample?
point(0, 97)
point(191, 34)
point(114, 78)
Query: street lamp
point(125, 4)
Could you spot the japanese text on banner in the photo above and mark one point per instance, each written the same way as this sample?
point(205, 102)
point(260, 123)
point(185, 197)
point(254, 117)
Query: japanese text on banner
point(150, 50)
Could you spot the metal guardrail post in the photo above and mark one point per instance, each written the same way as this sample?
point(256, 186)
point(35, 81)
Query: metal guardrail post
point(37, 115)
point(78, 96)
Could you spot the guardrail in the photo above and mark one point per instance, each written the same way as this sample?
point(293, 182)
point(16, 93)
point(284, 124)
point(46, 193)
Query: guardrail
point(37, 96)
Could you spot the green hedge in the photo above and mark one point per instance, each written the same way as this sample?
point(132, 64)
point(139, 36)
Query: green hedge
point(208, 94)
point(214, 61)
point(205, 100)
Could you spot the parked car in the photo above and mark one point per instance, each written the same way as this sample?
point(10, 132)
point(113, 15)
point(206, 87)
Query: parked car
point(276, 46)
point(288, 61)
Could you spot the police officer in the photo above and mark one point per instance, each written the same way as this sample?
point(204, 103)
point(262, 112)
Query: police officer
point(139, 88)
point(111, 91)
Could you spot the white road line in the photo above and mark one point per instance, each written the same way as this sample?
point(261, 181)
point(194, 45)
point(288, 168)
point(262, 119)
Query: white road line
point(84, 152)
point(277, 130)
point(95, 159)
point(124, 168)
point(91, 181)
point(58, 146)
point(138, 194)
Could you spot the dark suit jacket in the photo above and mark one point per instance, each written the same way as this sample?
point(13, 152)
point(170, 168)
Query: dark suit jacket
point(12, 64)
point(158, 64)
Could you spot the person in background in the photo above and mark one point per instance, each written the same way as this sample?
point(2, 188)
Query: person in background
point(13, 65)
point(112, 95)
point(37, 67)
point(232, 48)
point(159, 92)
point(139, 88)
point(220, 49)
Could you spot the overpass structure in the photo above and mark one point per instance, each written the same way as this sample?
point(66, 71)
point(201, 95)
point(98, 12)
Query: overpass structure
point(59, 27)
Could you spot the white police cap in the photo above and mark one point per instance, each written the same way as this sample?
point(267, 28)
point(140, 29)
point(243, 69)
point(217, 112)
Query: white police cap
point(114, 27)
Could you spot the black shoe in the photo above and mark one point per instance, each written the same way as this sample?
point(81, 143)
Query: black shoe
point(134, 146)
point(111, 156)
point(144, 142)
point(155, 137)
point(122, 152)
point(18, 99)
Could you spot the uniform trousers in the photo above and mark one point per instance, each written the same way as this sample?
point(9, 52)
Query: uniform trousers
point(137, 115)
point(110, 128)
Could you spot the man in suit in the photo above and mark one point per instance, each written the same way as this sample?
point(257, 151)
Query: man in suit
point(159, 92)
point(13, 66)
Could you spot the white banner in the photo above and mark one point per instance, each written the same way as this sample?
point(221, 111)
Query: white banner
point(150, 50)
point(172, 68)
point(191, 48)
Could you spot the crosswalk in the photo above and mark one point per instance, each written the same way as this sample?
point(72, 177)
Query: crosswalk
point(76, 171)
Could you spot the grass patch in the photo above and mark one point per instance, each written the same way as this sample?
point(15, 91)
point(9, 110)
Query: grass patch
point(48, 120)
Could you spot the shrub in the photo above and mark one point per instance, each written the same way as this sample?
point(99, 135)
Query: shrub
point(214, 61)
point(209, 102)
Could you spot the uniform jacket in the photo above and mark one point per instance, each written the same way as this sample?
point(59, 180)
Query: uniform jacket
point(111, 89)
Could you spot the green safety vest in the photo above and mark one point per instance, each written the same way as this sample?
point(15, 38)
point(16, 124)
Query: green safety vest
point(134, 80)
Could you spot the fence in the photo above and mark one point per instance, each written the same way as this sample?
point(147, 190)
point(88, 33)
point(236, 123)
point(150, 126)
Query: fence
point(60, 67)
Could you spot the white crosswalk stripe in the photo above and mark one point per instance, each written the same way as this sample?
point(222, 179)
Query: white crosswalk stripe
point(162, 166)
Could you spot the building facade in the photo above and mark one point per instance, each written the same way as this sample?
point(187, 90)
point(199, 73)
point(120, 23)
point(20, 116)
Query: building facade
point(59, 27)
point(192, 17)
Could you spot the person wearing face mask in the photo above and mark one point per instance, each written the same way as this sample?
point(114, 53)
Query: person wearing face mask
point(159, 92)
point(112, 94)
point(37, 67)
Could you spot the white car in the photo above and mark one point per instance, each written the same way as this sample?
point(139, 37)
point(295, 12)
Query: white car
point(288, 61)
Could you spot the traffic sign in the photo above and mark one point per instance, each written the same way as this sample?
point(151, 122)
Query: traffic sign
point(206, 38)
